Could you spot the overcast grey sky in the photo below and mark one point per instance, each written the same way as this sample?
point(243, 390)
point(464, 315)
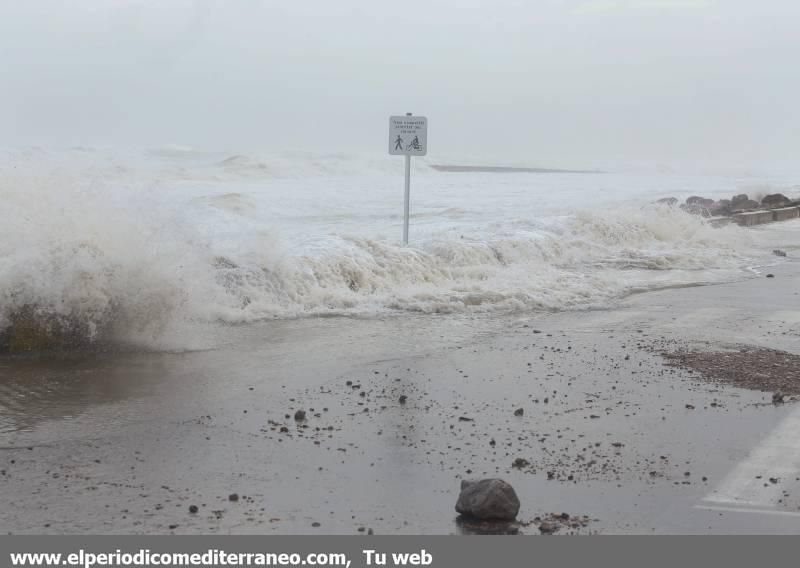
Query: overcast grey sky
point(547, 82)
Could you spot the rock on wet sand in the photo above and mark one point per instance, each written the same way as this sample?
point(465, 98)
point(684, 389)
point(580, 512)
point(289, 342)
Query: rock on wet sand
point(488, 499)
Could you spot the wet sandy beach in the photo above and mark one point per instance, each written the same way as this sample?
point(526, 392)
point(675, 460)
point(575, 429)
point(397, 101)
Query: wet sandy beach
point(127, 443)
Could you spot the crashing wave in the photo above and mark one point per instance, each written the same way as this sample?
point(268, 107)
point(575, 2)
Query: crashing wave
point(87, 264)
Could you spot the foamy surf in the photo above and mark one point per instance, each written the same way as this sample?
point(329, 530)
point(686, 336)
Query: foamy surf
point(112, 252)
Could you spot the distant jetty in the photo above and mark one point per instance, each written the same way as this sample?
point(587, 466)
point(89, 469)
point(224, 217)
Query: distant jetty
point(507, 170)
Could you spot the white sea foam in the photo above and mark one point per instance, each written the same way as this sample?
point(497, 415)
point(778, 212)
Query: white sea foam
point(133, 245)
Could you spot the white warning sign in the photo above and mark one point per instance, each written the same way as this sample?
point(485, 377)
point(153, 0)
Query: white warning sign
point(408, 135)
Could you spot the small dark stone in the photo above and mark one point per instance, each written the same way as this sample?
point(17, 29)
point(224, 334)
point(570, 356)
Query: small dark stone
point(233, 497)
point(315, 524)
point(770, 276)
point(300, 415)
point(547, 527)
point(519, 412)
point(193, 509)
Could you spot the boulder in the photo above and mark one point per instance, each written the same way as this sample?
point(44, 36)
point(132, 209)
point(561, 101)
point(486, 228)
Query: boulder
point(776, 200)
point(737, 199)
point(721, 207)
point(747, 205)
point(701, 201)
point(488, 499)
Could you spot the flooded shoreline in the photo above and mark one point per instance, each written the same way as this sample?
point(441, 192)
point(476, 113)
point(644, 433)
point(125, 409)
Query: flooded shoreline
point(128, 442)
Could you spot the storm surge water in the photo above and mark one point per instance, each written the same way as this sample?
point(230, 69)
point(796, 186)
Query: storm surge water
point(97, 248)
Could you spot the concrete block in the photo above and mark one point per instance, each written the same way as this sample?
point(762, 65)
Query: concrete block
point(753, 218)
point(785, 213)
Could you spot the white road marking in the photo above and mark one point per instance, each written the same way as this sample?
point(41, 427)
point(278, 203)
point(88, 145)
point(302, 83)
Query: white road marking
point(748, 510)
point(777, 456)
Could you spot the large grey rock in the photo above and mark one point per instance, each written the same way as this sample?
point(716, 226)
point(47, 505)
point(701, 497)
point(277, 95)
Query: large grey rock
point(701, 201)
point(737, 199)
point(489, 499)
point(776, 200)
point(746, 205)
point(721, 207)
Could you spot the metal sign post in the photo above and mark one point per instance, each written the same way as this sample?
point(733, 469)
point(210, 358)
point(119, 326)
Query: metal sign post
point(408, 136)
point(407, 202)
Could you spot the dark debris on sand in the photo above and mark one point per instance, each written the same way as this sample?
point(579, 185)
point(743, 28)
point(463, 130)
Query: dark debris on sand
point(748, 367)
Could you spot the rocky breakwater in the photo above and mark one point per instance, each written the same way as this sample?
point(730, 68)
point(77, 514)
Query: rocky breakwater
point(740, 208)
